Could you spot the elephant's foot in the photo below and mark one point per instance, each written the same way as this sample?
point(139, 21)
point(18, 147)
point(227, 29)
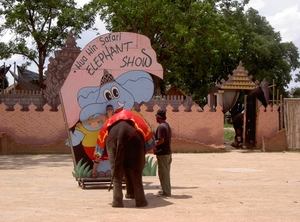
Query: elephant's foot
point(129, 196)
point(117, 204)
point(143, 203)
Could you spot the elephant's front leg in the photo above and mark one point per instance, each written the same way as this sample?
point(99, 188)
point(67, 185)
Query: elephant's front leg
point(139, 194)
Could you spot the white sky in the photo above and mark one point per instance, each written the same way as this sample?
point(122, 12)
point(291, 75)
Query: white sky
point(283, 15)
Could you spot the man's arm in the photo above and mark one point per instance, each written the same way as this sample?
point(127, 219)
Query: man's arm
point(160, 135)
point(98, 119)
point(160, 141)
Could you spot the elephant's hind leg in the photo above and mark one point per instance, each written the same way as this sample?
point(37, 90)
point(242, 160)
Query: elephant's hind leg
point(136, 161)
point(117, 193)
point(140, 199)
point(117, 186)
point(129, 186)
point(139, 194)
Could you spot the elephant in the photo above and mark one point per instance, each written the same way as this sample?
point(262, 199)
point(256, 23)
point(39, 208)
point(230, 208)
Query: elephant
point(125, 147)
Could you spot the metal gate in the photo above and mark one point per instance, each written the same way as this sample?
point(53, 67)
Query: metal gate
point(250, 122)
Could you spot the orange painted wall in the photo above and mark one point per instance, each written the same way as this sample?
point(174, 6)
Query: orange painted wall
point(33, 127)
point(47, 127)
point(267, 123)
point(205, 127)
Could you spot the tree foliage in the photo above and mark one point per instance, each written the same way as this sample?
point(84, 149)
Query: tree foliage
point(199, 43)
point(38, 27)
point(297, 79)
point(3, 83)
point(265, 55)
point(295, 92)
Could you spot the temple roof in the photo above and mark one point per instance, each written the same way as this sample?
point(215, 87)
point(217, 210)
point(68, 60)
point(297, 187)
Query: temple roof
point(28, 75)
point(27, 79)
point(238, 80)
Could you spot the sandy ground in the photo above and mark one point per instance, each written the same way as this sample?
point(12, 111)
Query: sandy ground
point(233, 186)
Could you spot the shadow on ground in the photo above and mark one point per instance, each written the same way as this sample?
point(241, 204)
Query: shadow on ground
point(10, 162)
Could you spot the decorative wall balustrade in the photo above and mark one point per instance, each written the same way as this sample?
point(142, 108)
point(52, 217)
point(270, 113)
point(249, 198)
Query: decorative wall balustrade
point(23, 98)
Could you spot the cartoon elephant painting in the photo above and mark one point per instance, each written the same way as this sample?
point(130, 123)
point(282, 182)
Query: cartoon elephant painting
point(126, 150)
point(122, 93)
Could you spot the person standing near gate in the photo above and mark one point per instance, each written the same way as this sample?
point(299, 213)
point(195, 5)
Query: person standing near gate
point(238, 125)
point(163, 152)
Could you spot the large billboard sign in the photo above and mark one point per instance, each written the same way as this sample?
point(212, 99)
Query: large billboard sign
point(113, 69)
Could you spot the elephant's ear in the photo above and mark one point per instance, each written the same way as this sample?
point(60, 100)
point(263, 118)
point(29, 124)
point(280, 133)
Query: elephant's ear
point(87, 95)
point(138, 83)
point(92, 110)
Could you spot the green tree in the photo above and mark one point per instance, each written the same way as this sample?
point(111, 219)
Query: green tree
point(297, 79)
point(3, 79)
point(265, 55)
point(38, 27)
point(189, 37)
point(295, 92)
point(199, 43)
point(3, 83)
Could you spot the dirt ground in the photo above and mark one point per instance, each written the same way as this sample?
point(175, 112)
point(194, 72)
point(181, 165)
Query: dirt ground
point(239, 185)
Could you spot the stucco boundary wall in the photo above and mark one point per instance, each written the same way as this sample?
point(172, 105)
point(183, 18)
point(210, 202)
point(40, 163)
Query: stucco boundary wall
point(267, 123)
point(207, 127)
point(38, 132)
point(200, 126)
point(28, 132)
point(32, 131)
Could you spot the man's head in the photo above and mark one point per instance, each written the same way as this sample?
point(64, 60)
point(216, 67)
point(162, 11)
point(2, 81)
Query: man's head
point(109, 107)
point(161, 114)
point(109, 110)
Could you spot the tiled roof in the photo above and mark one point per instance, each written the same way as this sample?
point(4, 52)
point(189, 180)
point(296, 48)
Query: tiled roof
point(27, 79)
point(28, 75)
